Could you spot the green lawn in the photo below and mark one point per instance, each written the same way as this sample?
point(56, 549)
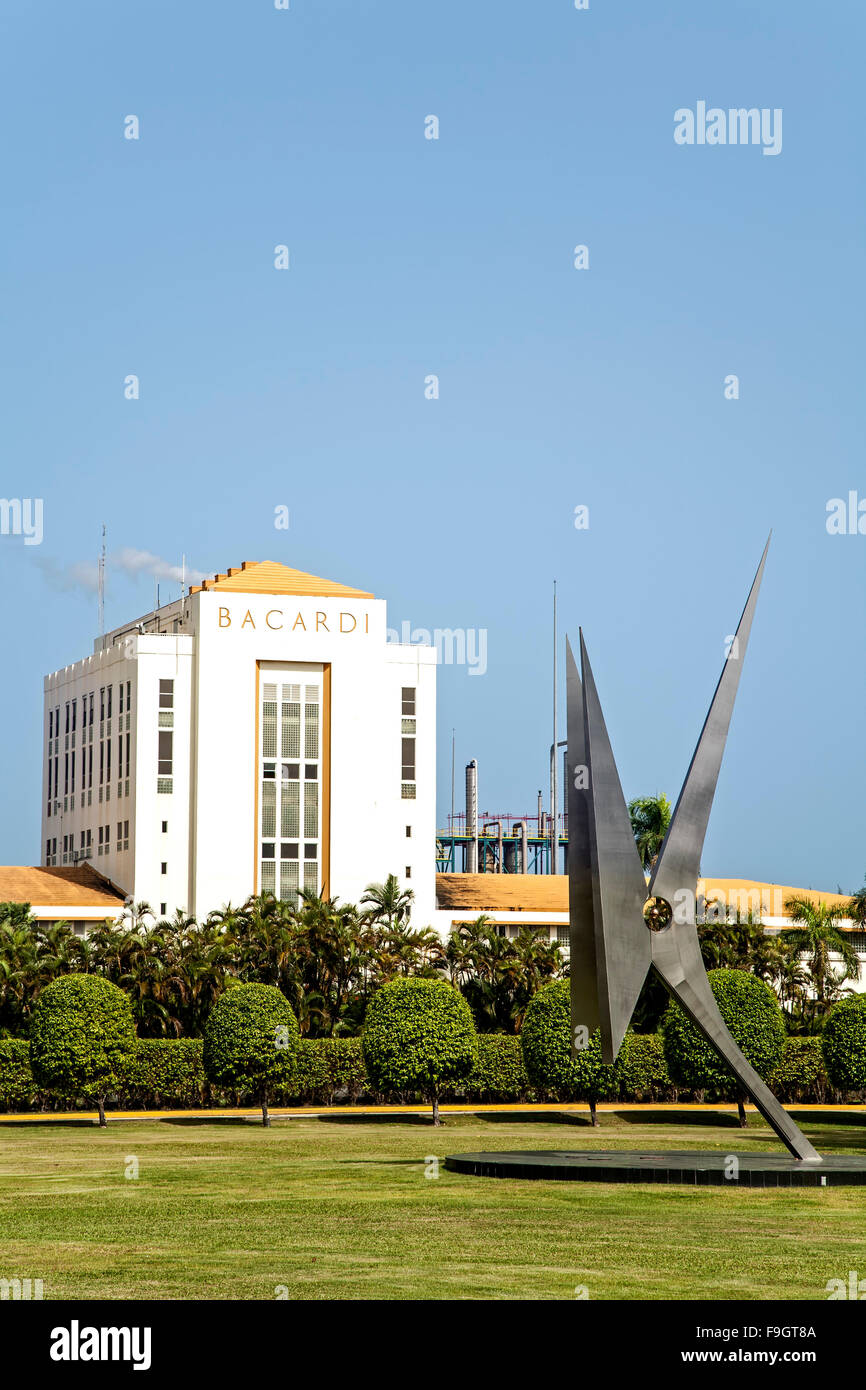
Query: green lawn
point(342, 1209)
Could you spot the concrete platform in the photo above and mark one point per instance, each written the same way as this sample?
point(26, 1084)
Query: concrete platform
point(698, 1169)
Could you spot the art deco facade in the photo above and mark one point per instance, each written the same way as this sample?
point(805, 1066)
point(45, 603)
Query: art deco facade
point(259, 734)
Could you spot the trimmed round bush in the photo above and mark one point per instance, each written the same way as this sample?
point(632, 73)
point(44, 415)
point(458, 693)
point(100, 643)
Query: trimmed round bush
point(250, 1042)
point(82, 1038)
point(843, 1042)
point(754, 1019)
point(419, 1035)
point(546, 1042)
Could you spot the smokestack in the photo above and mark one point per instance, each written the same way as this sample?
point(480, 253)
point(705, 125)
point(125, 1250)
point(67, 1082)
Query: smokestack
point(472, 816)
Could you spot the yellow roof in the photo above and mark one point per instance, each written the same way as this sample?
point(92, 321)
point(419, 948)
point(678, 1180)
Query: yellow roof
point(270, 577)
point(79, 887)
point(549, 893)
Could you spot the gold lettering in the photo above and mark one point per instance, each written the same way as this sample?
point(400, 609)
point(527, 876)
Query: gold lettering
point(354, 622)
point(323, 616)
point(224, 613)
point(268, 619)
point(299, 619)
point(248, 619)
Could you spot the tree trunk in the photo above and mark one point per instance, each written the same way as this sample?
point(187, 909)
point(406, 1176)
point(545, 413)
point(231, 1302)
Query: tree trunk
point(741, 1111)
point(266, 1119)
point(593, 1114)
point(100, 1101)
point(436, 1120)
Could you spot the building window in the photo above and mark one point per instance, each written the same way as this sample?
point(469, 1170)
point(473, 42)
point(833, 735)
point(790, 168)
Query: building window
point(110, 688)
point(408, 871)
point(166, 694)
point(166, 742)
point(408, 832)
point(408, 745)
point(289, 797)
point(165, 827)
point(163, 868)
point(163, 908)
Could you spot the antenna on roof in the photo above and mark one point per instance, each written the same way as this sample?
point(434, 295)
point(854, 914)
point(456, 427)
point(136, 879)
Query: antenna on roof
point(101, 585)
point(183, 576)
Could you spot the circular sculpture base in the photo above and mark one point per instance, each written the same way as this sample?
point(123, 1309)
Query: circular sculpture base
point(715, 1169)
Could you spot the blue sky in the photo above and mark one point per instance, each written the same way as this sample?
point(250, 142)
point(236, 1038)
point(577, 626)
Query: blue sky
point(558, 387)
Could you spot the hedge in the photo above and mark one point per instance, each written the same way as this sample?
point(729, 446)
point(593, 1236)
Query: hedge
point(499, 1073)
point(18, 1090)
point(800, 1074)
point(168, 1074)
point(642, 1070)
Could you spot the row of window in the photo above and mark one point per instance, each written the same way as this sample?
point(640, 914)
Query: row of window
point(85, 845)
point(69, 854)
point(64, 776)
point(70, 720)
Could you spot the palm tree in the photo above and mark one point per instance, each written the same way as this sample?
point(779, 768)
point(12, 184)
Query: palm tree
point(650, 817)
point(387, 902)
point(818, 937)
point(856, 909)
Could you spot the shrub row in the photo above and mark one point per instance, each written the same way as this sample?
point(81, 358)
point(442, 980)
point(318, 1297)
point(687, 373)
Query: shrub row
point(170, 1074)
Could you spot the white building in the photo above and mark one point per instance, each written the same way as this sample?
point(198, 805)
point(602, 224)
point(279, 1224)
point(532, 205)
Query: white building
point(259, 734)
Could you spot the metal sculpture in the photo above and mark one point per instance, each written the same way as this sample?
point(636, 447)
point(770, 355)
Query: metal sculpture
point(622, 926)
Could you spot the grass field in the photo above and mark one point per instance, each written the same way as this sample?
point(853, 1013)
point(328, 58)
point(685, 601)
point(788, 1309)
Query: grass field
point(340, 1208)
